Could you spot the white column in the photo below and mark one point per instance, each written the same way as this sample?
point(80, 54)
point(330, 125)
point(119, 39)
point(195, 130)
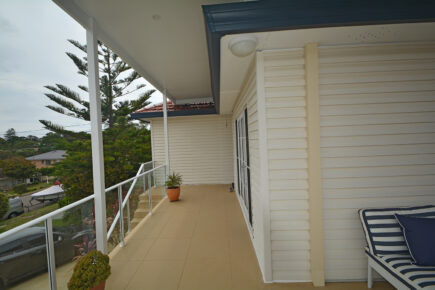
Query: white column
point(165, 129)
point(96, 138)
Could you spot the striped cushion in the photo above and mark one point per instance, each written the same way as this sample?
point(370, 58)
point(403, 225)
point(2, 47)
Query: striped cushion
point(383, 232)
point(400, 266)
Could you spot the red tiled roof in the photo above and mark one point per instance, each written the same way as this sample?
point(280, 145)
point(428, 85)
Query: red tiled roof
point(172, 107)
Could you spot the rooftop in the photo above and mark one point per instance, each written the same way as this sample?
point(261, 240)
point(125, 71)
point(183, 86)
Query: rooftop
point(52, 155)
point(156, 111)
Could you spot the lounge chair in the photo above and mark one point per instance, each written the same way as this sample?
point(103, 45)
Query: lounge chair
point(388, 252)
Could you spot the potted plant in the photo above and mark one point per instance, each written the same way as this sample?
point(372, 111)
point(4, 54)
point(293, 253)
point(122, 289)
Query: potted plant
point(173, 186)
point(90, 272)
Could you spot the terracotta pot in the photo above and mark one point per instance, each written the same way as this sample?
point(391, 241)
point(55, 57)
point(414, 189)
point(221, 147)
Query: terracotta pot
point(100, 287)
point(173, 193)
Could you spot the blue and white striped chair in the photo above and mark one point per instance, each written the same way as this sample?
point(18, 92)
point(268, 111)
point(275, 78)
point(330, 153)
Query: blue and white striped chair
point(387, 251)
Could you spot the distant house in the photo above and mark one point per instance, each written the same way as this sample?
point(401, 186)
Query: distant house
point(47, 159)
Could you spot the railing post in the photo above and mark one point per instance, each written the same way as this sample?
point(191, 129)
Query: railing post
point(128, 216)
point(153, 177)
point(165, 130)
point(121, 215)
point(51, 263)
point(150, 198)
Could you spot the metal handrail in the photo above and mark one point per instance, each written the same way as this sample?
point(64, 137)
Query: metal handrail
point(132, 178)
point(115, 220)
point(48, 218)
point(124, 201)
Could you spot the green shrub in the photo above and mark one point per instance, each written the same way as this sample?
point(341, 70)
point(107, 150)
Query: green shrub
point(21, 188)
point(90, 271)
point(174, 180)
point(4, 204)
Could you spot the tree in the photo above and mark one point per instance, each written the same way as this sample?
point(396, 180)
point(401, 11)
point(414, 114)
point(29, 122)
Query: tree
point(125, 147)
point(4, 204)
point(51, 141)
point(116, 80)
point(10, 135)
point(17, 167)
point(46, 171)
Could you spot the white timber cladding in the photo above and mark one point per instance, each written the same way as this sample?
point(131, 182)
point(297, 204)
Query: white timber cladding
point(200, 147)
point(248, 100)
point(377, 111)
point(285, 93)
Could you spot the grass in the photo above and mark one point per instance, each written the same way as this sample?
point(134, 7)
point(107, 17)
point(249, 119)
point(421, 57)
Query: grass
point(32, 188)
point(6, 225)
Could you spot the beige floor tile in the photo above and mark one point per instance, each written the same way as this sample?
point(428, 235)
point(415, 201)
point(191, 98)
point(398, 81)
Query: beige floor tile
point(201, 274)
point(209, 228)
point(134, 250)
point(181, 225)
point(209, 247)
point(122, 273)
point(158, 275)
point(151, 228)
point(328, 286)
point(168, 249)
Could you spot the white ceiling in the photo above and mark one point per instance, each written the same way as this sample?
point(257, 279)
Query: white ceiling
point(234, 69)
point(164, 40)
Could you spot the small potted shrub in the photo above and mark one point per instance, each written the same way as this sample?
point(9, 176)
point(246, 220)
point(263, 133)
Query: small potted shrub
point(90, 272)
point(173, 186)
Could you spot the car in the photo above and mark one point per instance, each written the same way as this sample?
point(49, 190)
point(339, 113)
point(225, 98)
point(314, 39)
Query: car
point(15, 208)
point(23, 254)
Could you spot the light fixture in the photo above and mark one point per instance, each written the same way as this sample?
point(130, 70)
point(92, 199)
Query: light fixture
point(243, 45)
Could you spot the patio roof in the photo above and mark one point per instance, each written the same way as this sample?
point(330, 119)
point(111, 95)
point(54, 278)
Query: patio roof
point(168, 43)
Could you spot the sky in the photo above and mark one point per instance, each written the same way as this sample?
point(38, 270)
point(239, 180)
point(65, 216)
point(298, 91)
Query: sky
point(33, 42)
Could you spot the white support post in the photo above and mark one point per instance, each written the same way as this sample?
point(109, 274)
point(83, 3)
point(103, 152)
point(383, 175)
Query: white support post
point(96, 137)
point(165, 129)
point(121, 216)
point(369, 276)
point(51, 263)
point(150, 197)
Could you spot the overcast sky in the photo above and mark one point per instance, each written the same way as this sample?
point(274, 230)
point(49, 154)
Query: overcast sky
point(33, 42)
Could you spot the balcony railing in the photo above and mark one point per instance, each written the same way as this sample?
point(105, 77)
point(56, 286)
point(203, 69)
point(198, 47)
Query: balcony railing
point(54, 241)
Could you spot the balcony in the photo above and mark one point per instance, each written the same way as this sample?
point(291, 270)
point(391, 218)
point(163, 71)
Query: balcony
point(199, 242)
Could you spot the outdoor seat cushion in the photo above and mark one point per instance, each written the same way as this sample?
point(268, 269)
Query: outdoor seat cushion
point(419, 235)
point(401, 267)
point(382, 231)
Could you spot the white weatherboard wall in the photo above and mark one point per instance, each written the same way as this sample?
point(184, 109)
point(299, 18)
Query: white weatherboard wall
point(284, 85)
point(248, 99)
point(377, 107)
point(200, 147)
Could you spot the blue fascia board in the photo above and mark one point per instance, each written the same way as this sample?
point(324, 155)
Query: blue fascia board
point(150, 115)
point(275, 15)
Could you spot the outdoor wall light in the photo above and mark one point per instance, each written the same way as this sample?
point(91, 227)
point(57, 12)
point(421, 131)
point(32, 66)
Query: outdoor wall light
point(243, 45)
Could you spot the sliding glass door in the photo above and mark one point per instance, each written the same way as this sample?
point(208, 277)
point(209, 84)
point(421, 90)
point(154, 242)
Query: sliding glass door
point(243, 169)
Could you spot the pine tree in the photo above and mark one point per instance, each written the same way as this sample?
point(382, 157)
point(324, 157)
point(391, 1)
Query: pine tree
point(10, 135)
point(116, 81)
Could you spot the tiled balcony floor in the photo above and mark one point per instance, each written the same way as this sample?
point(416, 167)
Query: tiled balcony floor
point(199, 242)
